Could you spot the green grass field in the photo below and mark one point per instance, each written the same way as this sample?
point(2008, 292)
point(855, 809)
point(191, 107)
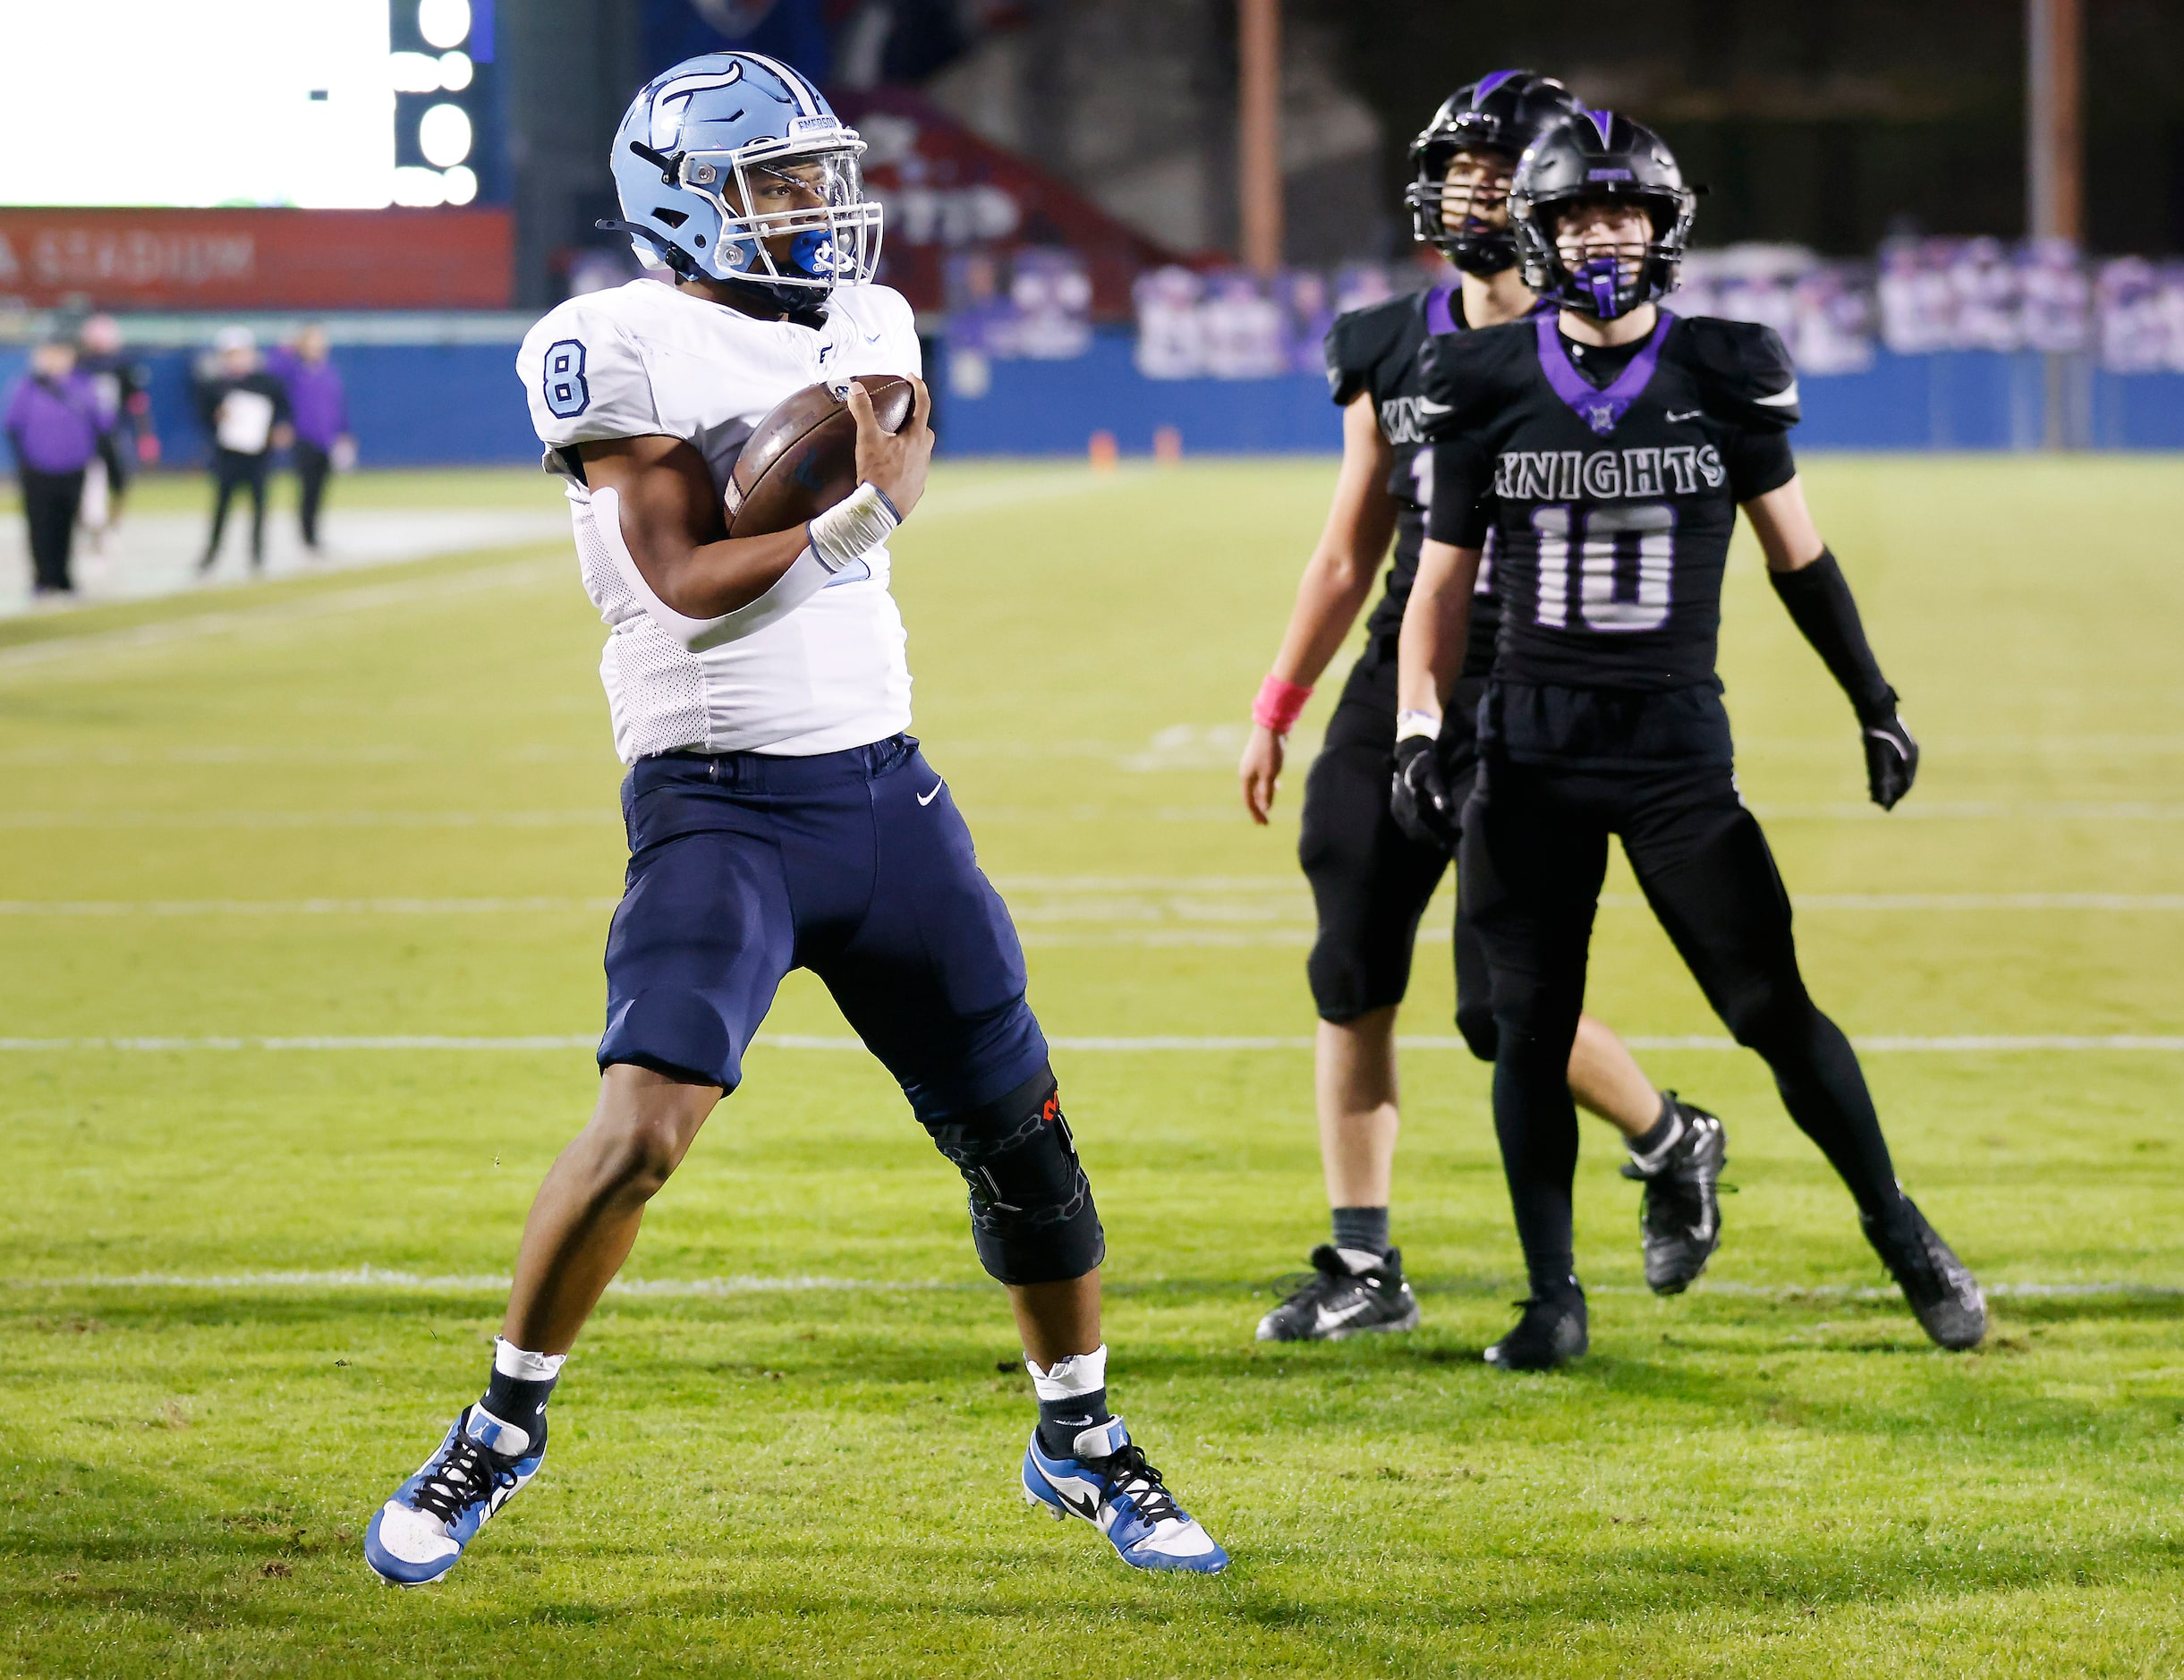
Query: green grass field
point(243, 1286)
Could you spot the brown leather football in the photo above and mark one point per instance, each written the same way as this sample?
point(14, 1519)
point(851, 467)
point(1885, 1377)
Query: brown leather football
point(802, 458)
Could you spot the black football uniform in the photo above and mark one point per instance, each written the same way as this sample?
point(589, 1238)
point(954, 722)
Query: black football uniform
point(1609, 481)
point(1370, 881)
point(123, 388)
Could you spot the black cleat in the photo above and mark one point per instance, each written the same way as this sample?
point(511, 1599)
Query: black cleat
point(1680, 1212)
point(1336, 1302)
point(1940, 1287)
point(1551, 1333)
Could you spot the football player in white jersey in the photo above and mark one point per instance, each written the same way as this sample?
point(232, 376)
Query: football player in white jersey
point(779, 815)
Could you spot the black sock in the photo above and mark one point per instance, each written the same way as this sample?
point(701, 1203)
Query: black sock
point(1363, 1228)
point(1663, 1129)
point(521, 1402)
point(1061, 1422)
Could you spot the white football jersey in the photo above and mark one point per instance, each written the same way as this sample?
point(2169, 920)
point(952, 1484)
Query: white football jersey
point(648, 359)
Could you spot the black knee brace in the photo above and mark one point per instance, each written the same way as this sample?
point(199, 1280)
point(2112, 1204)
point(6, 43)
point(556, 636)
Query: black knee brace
point(1032, 1213)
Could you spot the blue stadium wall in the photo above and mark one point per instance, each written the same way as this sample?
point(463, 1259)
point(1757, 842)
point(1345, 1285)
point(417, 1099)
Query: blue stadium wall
point(459, 405)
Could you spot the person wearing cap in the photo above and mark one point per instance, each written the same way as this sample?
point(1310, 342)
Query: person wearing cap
point(54, 426)
point(320, 411)
point(245, 410)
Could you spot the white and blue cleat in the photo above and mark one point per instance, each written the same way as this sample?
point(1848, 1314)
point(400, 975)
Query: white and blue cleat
point(419, 1535)
point(1107, 1482)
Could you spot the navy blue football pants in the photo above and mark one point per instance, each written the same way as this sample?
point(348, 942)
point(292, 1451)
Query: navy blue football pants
point(1535, 853)
point(855, 865)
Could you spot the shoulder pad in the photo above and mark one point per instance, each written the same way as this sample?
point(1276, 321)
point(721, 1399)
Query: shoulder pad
point(1744, 371)
point(1357, 343)
point(1464, 375)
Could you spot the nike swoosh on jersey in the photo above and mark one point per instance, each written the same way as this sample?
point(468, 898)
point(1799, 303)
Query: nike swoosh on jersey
point(1427, 405)
point(1781, 399)
point(927, 799)
point(1672, 417)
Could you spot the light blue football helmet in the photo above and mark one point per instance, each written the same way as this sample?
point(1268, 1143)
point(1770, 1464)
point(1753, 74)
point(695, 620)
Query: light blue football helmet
point(698, 142)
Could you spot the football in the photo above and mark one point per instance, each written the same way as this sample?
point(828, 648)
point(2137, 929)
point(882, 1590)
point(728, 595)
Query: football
point(802, 458)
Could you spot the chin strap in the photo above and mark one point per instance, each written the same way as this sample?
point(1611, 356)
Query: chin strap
point(672, 254)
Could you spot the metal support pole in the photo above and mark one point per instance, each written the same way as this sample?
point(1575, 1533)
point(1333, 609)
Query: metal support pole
point(1259, 132)
point(2055, 169)
point(2055, 124)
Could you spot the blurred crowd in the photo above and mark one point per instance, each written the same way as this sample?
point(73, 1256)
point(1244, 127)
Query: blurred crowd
point(78, 423)
point(1923, 296)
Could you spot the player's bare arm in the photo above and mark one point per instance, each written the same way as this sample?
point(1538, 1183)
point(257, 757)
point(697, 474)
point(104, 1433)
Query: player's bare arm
point(1337, 579)
point(674, 526)
point(1436, 622)
point(1784, 526)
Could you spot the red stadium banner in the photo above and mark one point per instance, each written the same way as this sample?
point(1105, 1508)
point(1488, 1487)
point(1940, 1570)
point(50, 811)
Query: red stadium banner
point(257, 259)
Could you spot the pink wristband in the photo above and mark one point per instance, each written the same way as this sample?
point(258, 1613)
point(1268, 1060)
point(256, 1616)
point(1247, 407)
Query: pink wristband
point(1279, 705)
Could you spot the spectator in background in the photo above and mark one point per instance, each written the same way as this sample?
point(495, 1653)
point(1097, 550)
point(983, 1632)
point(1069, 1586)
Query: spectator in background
point(54, 426)
point(245, 410)
point(318, 411)
point(124, 390)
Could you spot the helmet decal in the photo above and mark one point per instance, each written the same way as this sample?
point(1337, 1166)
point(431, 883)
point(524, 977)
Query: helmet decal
point(1487, 84)
point(1602, 122)
point(672, 99)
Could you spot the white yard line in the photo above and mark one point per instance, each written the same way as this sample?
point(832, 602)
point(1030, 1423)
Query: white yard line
point(378, 1278)
point(1214, 906)
point(2121, 1043)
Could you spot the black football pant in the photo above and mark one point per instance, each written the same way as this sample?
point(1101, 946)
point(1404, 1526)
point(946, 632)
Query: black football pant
point(50, 502)
point(233, 470)
point(312, 466)
point(1371, 882)
point(1535, 853)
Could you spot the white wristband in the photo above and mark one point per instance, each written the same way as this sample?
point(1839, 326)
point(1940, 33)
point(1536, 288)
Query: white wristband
point(853, 527)
point(1416, 722)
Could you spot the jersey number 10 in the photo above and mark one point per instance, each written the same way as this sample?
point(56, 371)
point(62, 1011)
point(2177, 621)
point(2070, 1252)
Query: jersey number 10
point(1601, 538)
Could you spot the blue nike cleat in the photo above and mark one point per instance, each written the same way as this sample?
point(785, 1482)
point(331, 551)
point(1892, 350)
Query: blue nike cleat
point(1107, 1482)
point(416, 1536)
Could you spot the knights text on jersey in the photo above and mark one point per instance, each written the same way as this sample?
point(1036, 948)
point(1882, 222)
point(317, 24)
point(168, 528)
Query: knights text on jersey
point(649, 360)
point(1611, 507)
point(1380, 350)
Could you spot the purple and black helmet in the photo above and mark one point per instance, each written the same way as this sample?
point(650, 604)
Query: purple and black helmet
point(1594, 155)
point(1502, 112)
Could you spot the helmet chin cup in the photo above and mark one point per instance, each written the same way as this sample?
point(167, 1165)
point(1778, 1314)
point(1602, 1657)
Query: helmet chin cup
point(1485, 255)
point(1600, 279)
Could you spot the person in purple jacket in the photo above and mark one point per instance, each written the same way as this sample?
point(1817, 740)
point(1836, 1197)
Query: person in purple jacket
point(320, 409)
point(53, 424)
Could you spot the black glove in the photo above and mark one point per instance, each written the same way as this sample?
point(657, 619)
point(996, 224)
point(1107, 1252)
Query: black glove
point(1892, 761)
point(1420, 802)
